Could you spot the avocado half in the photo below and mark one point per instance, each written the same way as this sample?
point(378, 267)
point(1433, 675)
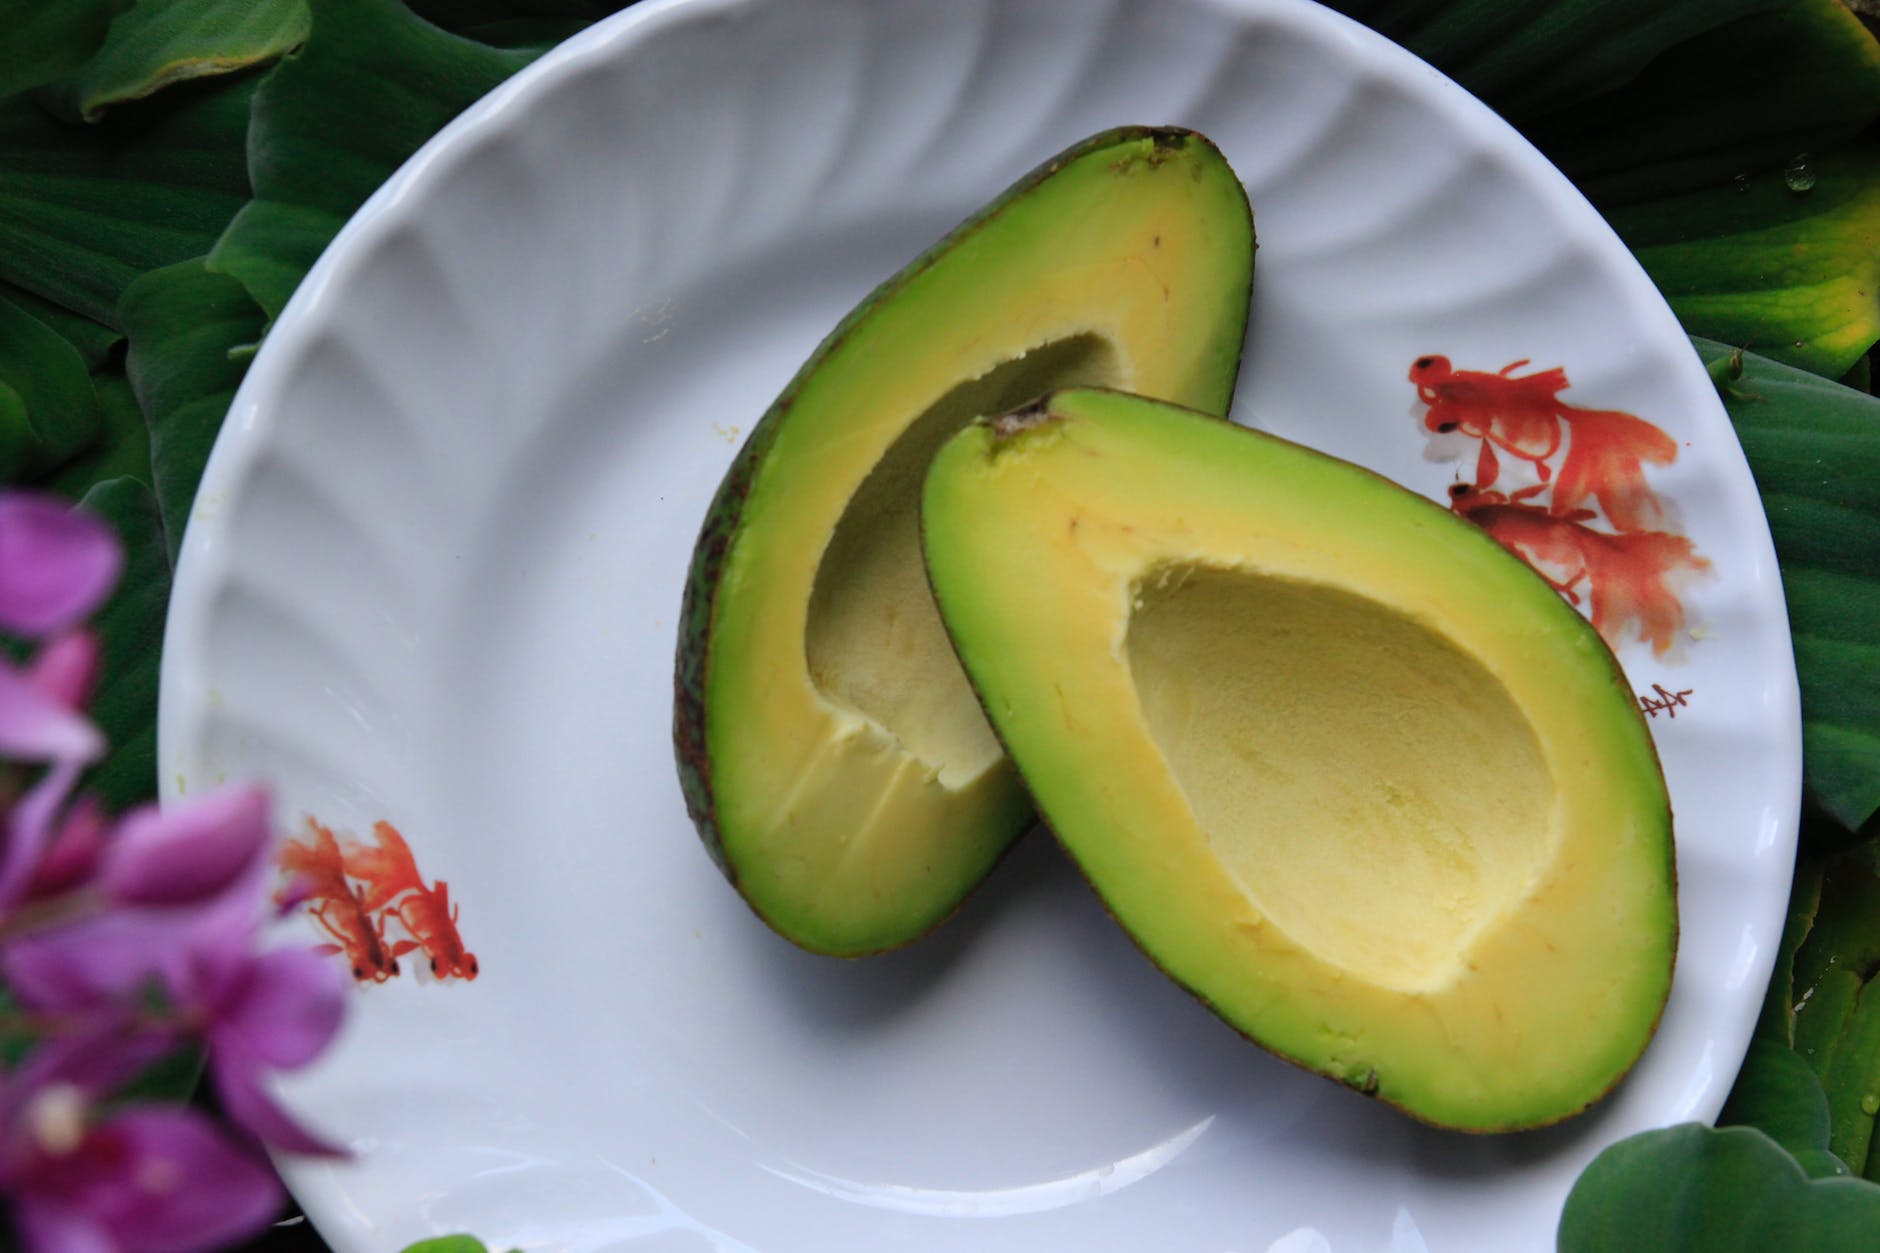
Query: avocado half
point(1342, 766)
point(833, 757)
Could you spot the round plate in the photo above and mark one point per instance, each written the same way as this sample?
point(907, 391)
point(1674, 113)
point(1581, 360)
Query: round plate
point(434, 573)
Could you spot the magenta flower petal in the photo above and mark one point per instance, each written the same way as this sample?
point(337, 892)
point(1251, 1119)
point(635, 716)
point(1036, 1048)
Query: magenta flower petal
point(249, 1107)
point(37, 726)
point(187, 853)
point(111, 1052)
point(70, 857)
point(56, 564)
point(59, 1226)
point(65, 668)
point(284, 1009)
point(154, 1180)
point(88, 963)
point(29, 829)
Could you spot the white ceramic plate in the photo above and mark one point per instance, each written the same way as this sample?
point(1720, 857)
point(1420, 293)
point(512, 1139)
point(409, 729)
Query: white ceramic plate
point(435, 567)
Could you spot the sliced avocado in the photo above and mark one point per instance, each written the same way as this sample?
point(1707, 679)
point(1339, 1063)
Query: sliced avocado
point(1345, 769)
point(833, 757)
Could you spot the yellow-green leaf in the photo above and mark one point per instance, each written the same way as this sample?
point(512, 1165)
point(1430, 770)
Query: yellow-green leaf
point(160, 42)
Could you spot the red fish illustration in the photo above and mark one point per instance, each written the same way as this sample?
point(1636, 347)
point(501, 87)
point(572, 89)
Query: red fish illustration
point(336, 905)
point(393, 884)
point(1626, 574)
point(1524, 416)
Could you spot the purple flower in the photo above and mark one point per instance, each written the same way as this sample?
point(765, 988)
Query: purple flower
point(272, 1011)
point(37, 723)
point(56, 564)
point(155, 862)
point(149, 1179)
point(143, 1180)
point(186, 853)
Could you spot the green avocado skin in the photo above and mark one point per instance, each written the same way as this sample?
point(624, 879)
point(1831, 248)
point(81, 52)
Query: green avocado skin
point(725, 517)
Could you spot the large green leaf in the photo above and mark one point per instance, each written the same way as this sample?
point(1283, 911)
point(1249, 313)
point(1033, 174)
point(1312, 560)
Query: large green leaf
point(1746, 265)
point(1744, 98)
point(1694, 1189)
point(1837, 1027)
point(313, 164)
point(1531, 57)
point(458, 15)
point(93, 341)
point(44, 39)
point(1655, 107)
point(1814, 447)
point(1779, 1095)
point(184, 323)
point(1777, 1022)
point(160, 42)
point(48, 409)
point(122, 449)
point(130, 629)
point(85, 209)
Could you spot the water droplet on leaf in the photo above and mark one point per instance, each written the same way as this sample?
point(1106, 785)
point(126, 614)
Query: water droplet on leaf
point(1740, 183)
point(1799, 176)
point(1870, 1104)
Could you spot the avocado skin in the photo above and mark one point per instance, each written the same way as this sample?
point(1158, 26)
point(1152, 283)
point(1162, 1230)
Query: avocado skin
point(725, 516)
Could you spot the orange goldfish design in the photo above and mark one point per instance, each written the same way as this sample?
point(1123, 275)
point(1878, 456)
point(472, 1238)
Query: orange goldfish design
point(336, 905)
point(1626, 574)
point(393, 884)
point(1524, 416)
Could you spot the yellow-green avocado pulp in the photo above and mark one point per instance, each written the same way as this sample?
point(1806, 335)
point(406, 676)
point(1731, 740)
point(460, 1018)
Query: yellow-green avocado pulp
point(1342, 766)
point(833, 756)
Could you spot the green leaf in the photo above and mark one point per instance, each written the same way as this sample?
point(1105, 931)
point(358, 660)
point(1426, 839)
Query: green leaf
point(1695, 1189)
point(313, 164)
point(458, 15)
point(535, 34)
point(1794, 275)
point(92, 340)
point(1814, 447)
point(123, 450)
point(1851, 1081)
point(1531, 57)
point(1654, 107)
point(85, 209)
point(1744, 98)
point(48, 410)
point(1779, 1095)
point(183, 323)
point(1778, 1013)
point(447, 1244)
point(161, 42)
point(130, 631)
point(47, 38)
point(1837, 1028)
point(1846, 931)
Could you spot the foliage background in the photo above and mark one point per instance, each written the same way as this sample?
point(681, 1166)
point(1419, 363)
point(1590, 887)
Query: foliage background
point(170, 168)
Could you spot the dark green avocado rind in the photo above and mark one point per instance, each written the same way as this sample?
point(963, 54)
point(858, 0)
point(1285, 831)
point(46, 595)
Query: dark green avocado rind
point(725, 517)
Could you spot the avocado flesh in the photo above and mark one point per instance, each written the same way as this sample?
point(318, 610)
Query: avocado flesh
point(833, 756)
point(1342, 766)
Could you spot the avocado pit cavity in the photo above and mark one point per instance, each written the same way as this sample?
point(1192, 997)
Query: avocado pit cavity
point(1330, 749)
point(874, 642)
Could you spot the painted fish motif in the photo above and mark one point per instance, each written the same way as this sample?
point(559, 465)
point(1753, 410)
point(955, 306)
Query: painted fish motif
point(1523, 416)
point(318, 879)
point(393, 885)
point(1627, 576)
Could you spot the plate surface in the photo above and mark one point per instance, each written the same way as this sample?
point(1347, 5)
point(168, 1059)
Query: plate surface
point(435, 568)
